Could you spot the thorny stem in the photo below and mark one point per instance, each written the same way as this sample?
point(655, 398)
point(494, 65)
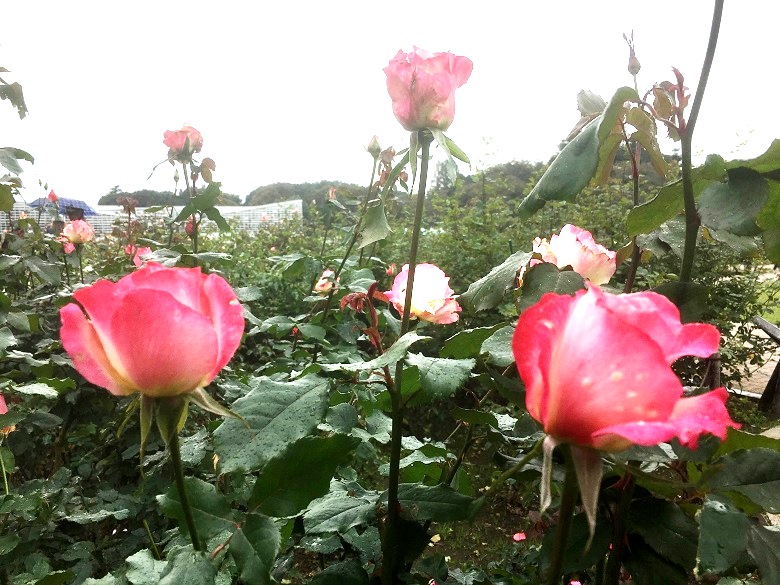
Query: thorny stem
point(635, 252)
point(499, 482)
point(686, 133)
point(565, 515)
point(5, 473)
point(155, 550)
point(614, 561)
point(178, 473)
point(390, 545)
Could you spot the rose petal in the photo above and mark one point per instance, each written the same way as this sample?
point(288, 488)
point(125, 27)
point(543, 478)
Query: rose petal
point(81, 341)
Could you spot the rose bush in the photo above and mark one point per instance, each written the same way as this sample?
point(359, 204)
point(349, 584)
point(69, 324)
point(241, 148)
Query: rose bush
point(576, 247)
point(597, 370)
point(422, 87)
point(183, 143)
point(158, 331)
point(432, 297)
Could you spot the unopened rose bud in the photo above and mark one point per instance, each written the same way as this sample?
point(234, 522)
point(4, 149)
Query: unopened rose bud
point(633, 63)
point(373, 147)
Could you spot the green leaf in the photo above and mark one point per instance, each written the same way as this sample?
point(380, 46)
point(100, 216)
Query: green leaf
point(348, 572)
point(764, 547)
point(278, 413)
point(14, 94)
point(474, 417)
point(439, 377)
point(667, 529)
point(56, 578)
point(736, 440)
point(288, 483)
point(546, 277)
point(754, 473)
point(214, 215)
point(648, 216)
point(733, 205)
point(769, 222)
point(722, 536)
point(6, 198)
point(375, 226)
point(610, 133)
point(7, 338)
point(649, 568)
point(338, 511)
point(98, 516)
point(392, 355)
point(210, 509)
point(440, 503)
point(190, 567)
point(691, 298)
point(143, 569)
point(489, 291)
point(568, 174)
point(253, 547)
point(498, 347)
point(9, 157)
point(8, 543)
point(467, 343)
point(37, 389)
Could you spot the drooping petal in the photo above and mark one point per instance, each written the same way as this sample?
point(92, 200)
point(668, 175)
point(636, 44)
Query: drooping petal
point(690, 418)
point(81, 341)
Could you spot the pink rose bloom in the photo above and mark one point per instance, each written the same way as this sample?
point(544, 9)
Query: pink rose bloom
point(325, 283)
point(158, 331)
point(576, 247)
point(52, 196)
point(183, 143)
point(130, 249)
point(597, 370)
point(78, 231)
point(3, 405)
point(140, 254)
point(422, 87)
point(432, 297)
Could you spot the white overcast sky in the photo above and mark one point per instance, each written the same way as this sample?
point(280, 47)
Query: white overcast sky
point(293, 91)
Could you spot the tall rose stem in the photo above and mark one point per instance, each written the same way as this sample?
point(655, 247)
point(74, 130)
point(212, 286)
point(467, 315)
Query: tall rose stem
point(390, 548)
point(191, 195)
point(173, 446)
point(686, 132)
point(565, 515)
point(81, 264)
point(612, 571)
point(5, 474)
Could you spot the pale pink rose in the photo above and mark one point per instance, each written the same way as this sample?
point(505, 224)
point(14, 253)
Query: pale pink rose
point(325, 283)
point(432, 297)
point(78, 231)
point(391, 270)
point(140, 254)
point(158, 331)
point(576, 247)
point(183, 143)
point(422, 87)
